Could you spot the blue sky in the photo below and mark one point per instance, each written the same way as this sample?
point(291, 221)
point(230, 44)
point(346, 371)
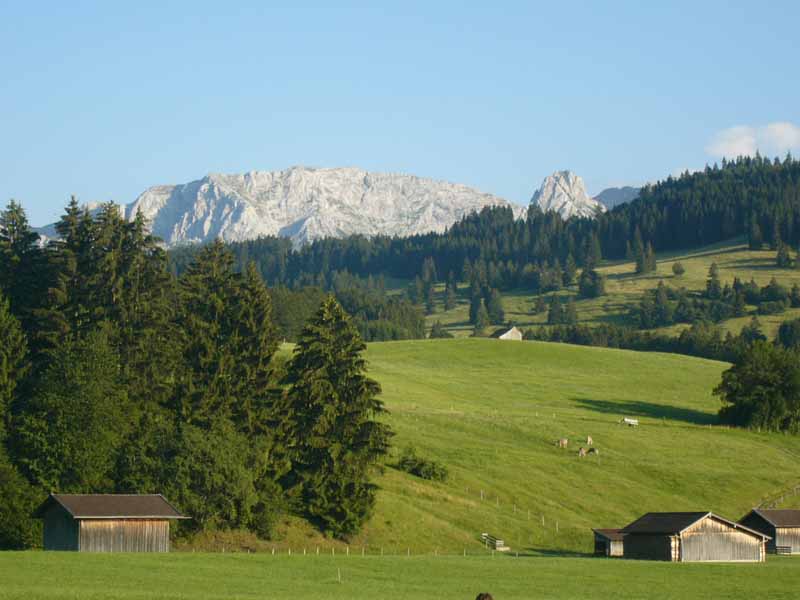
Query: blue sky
point(103, 100)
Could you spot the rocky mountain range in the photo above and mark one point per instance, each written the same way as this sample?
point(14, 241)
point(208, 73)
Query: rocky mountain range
point(565, 193)
point(306, 204)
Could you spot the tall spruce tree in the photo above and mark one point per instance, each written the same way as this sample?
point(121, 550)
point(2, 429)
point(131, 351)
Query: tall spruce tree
point(21, 262)
point(13, 362)
point(331, 433)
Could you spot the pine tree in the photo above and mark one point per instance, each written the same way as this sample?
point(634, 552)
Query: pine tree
point(755, 237)
point(450, 299)
point(475, 304)
point(13, 363)
point(713, 286)
point(21, 264)
point(650, 259)
point(639, 253)
point(571, 313)
point(331, 433)
point(782, 259)
point(570, 270)
point(555, 314)
point(481, 320)
point(663, 312)
point(430, 299)
point(494, 308)
point(541, 305)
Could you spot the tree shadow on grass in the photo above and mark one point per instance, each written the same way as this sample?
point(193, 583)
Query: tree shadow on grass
point(554, 553)
point(648, 409)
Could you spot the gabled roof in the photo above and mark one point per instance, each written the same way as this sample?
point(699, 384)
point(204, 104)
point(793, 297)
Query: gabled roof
point(777, 518)
point(504, 330)
point(615, 535)
point(112, 506)
point(673, 523)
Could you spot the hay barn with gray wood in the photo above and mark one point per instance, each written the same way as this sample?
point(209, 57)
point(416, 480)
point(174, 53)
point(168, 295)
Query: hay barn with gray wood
point(107, 522)
point(782, 526)
point(692, 537)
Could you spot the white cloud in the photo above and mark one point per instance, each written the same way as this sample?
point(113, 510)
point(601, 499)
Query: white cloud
point(774, 139)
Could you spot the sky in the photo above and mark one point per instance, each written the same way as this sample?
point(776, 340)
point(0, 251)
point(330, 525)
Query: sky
point(103, 100)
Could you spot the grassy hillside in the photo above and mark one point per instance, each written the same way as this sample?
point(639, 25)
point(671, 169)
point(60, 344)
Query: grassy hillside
point(491, 411)
point(34, 575)
point(624, 288)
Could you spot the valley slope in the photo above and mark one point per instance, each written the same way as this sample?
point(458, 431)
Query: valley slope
point(491, 410)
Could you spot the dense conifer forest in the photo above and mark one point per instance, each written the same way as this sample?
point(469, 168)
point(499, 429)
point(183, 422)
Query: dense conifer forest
point(116, 376)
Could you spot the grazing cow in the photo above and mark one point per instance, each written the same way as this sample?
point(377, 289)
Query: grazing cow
point(594, 451)
point(581, 452)
point(562, 443)
point(589, 440)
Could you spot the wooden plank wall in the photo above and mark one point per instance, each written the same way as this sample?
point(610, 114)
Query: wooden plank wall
point(648, 547)
point(712, 540)
point(788, 537)
point(124, 535)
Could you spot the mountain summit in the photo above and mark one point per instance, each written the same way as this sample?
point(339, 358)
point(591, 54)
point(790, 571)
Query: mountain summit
point(565, 193)
point(305, 204)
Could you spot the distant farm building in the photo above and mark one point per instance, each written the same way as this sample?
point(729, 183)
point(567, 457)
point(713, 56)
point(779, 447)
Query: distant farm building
point(107, 522)
point(508, 334)
point(783, 526)
point(608, 542)
point(692, 537)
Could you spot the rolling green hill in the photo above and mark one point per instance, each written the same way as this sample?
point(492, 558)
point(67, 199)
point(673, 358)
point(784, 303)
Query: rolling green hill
point(491, 412)
point(624, 289)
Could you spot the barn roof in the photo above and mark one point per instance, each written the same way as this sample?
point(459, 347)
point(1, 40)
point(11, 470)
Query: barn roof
point(504, 330)
point(779, 518)
point(615, 535)
point(672, 523)
point(112, 506)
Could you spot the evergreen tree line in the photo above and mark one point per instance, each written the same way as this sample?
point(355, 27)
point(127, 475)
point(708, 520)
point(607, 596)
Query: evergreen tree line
point(117, 376)
point(753, 197)
point(664, 306)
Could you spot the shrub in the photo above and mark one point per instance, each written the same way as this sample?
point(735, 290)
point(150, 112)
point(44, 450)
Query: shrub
point(411, 462)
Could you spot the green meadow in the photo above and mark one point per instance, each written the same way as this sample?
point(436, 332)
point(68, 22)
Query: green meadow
point(491, 411)
point(34, 575)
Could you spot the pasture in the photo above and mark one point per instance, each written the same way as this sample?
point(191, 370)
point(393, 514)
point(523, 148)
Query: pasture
point(34, 575)
point(624, 289)
point(491, 411)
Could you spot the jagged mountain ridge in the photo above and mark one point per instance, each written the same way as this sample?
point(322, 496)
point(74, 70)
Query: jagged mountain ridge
point(306, 204)
point(565, 193)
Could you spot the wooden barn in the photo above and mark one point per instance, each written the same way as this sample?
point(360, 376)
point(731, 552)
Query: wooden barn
point(692, 537)
point(782, 526)
point(508, 334)
point(608, 542)
point(107, 522)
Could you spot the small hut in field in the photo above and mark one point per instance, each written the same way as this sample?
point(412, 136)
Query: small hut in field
point(692, 537)
point(782, 526)
point(508, 334)
point(608, 542)
point(107, 522)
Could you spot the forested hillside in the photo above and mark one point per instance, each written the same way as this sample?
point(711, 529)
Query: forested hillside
point(755, 197)
point(115, 376)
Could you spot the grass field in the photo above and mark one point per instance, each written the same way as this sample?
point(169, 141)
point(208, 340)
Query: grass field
point(34, 575)
point(624, 289)
point(491, 411)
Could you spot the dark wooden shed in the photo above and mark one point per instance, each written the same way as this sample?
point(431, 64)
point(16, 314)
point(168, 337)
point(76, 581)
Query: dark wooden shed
point(692, 537)
point(782, 526)
point(608, 542)
point(107, 522)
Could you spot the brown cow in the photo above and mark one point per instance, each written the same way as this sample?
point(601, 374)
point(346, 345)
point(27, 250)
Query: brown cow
point(562, 443)
point(581, 452)
point(589, 440)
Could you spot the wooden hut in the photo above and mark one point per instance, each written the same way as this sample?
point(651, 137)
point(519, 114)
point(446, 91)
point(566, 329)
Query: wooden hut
point(608, 542)
point(692, 537)
point(107, 522)
point(508, 334)
point(782, 526)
